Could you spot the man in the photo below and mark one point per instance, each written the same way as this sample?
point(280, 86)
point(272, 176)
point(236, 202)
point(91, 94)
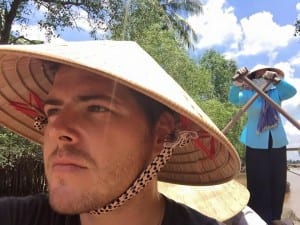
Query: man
point(112, 123)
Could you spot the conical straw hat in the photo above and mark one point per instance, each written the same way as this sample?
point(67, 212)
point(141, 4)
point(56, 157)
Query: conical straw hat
point(211, 160)
point(221, 202)
point(254, 73)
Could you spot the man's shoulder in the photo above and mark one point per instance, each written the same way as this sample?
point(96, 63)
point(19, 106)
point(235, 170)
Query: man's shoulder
point(180, 214)
point(31, 210)
point(23, 203)
point(11, 200)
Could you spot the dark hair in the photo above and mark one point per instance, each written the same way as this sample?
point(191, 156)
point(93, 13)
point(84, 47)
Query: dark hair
point(152, 108)
point(50, 69)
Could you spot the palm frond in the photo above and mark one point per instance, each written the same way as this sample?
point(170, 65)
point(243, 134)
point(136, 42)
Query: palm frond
point(184, 30)
point(191, 7)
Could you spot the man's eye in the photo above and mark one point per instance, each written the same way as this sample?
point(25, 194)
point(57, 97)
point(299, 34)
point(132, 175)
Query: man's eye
point(51, 112)
point(97, 108)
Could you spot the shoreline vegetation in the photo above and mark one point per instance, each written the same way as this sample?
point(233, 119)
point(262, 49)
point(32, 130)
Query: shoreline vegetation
point(293, 164)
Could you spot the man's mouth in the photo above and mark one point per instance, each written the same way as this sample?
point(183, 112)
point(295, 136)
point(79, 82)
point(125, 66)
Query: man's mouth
point(67, 165)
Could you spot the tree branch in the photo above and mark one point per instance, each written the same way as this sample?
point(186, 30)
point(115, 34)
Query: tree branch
point(15, 40)
point(68, 2)
point(8, 20)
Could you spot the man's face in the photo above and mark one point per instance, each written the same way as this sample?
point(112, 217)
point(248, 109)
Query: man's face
point(96, 142)
point(260, 73)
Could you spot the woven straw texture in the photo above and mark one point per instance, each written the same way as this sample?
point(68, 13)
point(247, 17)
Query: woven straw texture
point(22, 72)
point(221, 201)
point(252, 74)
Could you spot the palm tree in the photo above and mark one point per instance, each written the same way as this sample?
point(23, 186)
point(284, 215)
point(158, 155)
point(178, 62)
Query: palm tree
point(169, 15)
point(174, 9)
point(60, 14)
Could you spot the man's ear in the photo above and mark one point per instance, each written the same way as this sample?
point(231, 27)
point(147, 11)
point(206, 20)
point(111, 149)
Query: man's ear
point(164, 127)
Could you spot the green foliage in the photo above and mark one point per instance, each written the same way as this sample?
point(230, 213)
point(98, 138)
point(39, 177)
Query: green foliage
point(132, 19)
point(101, 16)
point(182, 29)
point(13, 147)
point(21, 40)
point(221, 71)
point(162, 46)
point(221, 113)
point(218, 108)
point(58, 15)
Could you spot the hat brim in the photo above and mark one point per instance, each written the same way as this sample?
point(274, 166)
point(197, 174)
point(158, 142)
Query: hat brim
point(255, 75)
point(221, 202)
point(125, 62)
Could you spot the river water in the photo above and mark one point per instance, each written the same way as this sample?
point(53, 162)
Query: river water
point(292, 198)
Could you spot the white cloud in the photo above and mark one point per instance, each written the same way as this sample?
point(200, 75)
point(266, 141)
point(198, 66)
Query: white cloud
point(216, 25)
point(298, 6)
point(295, 60)
point(258, 33)
point(34, 32)
point(262, 34)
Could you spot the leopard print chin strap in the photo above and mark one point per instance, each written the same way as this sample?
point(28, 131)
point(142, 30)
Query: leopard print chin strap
point(184, 137)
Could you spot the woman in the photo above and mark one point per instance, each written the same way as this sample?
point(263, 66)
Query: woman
point(265, 140)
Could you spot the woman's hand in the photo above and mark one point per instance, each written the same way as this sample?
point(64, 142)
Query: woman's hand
point(239, 82)
point(272, 76)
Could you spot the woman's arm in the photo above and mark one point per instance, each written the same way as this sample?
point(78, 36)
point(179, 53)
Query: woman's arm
point(238, 95)
point(285, 90)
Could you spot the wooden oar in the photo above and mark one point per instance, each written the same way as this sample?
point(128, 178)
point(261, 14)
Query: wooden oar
point(238, 115)
point(267, 98)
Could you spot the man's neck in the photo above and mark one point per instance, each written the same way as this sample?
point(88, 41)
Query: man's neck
point(146, 208)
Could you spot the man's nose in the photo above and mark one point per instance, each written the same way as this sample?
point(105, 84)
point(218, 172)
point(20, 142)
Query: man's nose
point(63, 128)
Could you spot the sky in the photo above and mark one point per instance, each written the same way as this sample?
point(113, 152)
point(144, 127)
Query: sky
point(251, 32)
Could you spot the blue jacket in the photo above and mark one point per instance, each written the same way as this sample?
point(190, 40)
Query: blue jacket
point(249, 135)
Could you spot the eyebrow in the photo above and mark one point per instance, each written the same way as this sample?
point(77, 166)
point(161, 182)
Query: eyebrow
point(85, 98)
point(81, 98)
point(53, 102)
